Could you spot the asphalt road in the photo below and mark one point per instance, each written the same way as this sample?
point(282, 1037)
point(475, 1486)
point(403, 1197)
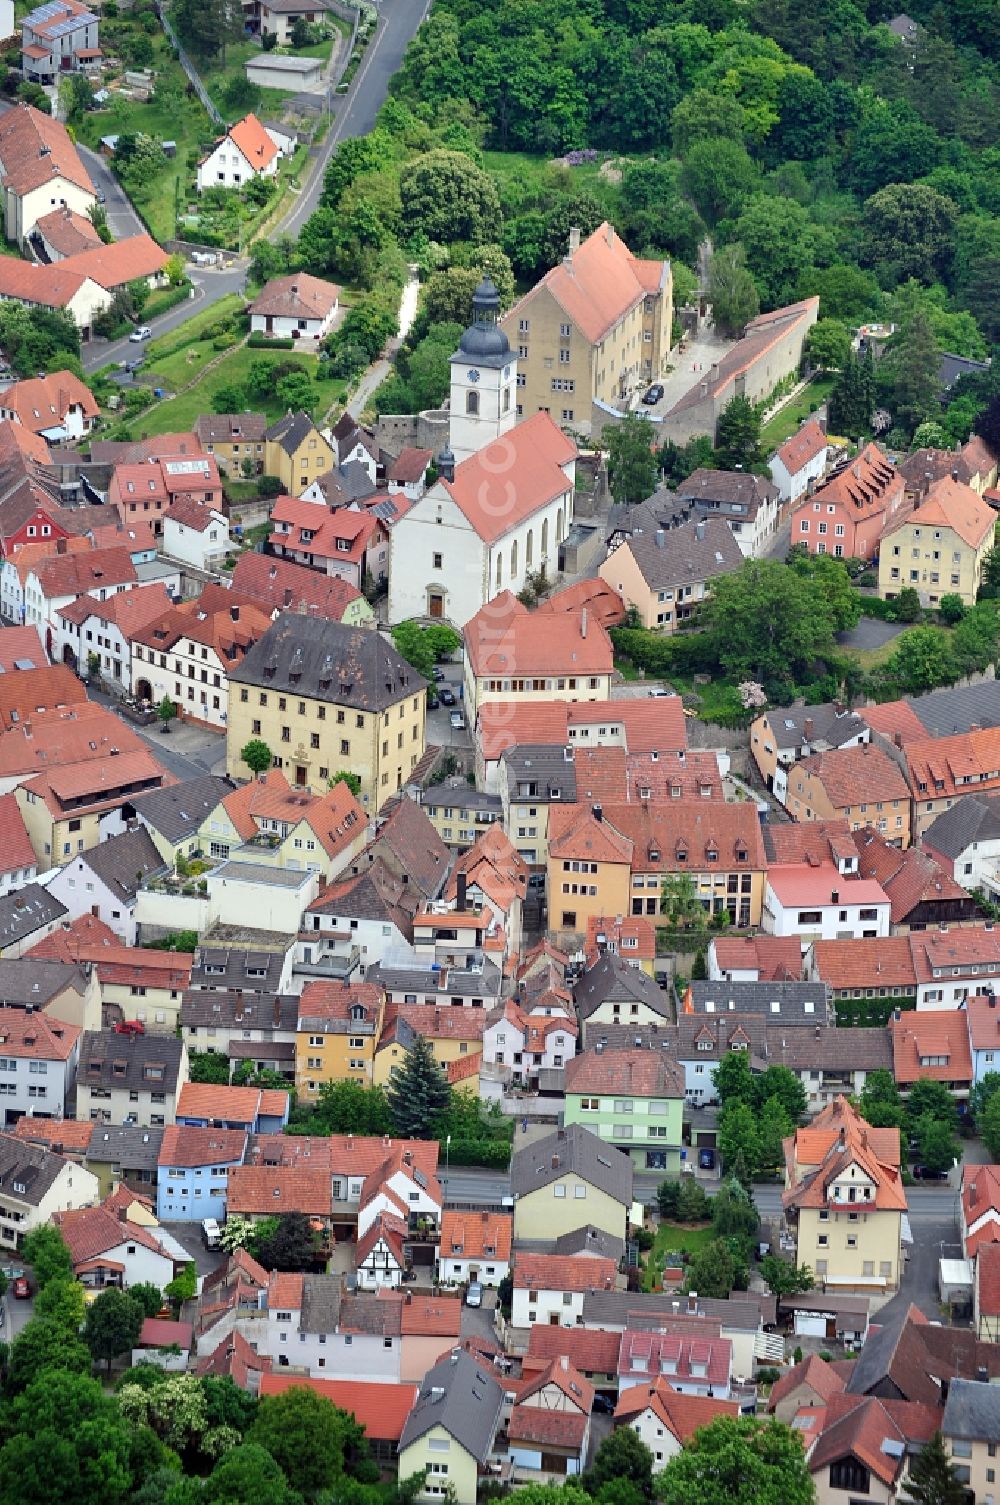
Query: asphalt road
point(399, 21)
point(357, 112)
point(186, 751)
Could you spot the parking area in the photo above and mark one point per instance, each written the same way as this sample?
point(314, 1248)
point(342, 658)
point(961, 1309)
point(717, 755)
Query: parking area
point(440, 732)
point(691, 366)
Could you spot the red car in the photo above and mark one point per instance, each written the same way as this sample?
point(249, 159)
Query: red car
point(22, 1288)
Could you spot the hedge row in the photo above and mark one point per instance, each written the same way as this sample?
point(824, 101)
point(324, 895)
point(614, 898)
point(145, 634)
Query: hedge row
point(260, 341)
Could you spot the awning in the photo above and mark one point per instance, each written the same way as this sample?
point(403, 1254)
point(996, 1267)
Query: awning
point(905, 1232)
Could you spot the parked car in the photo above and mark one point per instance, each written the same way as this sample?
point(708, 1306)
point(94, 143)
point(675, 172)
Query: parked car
point(706, 1160)
point(438, 673)
point(474, 1295)
point(653, 394)
point(142, 333)
point(457, 720)
point(603, 1405)
point(536, 881)
point(659, 691)
point(447, 695)
point(432, 700)
point(211, 1233)
point(22, 1288)
point(924, 1173)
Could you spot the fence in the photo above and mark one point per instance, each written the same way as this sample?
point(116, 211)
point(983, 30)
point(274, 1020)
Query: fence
point(189, 68)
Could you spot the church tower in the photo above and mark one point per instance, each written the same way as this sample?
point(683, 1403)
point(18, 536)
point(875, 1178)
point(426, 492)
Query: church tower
point(483, 379)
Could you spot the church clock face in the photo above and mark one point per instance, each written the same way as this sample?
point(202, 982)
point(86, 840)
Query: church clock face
point(473, 375)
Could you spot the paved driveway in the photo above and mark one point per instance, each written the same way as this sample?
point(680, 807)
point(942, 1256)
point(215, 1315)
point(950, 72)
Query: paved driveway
point(440, 732)
point(696, 362)
point(870, 633)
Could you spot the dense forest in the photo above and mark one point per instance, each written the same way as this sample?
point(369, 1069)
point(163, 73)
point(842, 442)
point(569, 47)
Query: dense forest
point(806, 145)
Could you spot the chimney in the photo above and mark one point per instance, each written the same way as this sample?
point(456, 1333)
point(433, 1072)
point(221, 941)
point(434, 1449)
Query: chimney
point(60, 545)
point(234, 612)
point(661, 538)
point(461, 882)
point(808, 727)
point(954, 475)
point(564, 1361)
point(574, 240)
point(583, 623)
point(692, 1303)
point(598, 812)
point(610, 233)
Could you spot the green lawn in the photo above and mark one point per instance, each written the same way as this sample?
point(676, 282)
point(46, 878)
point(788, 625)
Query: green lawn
point(670, 1238)
point(192, 329)
point(784, 424)
point(178, 118)
point(178, 413)
point(218, 76)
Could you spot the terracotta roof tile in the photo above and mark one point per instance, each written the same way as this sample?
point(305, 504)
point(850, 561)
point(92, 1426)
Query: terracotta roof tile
point(65, 1135)
point(35, 1036)
point(850, 964)
point(297, 296)
point(590, 1350)
point(35, 149)
point(814, 1373)
point(274, 1190)
point(851, 775)
point(562, 1272)
point(773, 958)
point(532, 1424)
point(909, 877)
point(250, 137)
point(682, 1414)
point(476, 1236)
point(596, 284)
point(381, 1409)
point(183, 1145)
point(595, 594)
point(802, 447)
point(624, 1073)
point(510, 479)
point(931, 1033)
point(42, 402)
point(950, 504)
point(503, 638)
point(67, 232)
point(278, 583)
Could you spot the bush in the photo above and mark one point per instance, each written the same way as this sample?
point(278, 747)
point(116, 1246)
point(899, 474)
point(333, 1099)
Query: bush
point(269, 486)
point(489, 1152)
point(768, 1376)
point(260, 341)
point(645, 1238)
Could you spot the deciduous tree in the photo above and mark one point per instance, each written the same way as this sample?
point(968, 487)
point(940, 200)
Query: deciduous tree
point(446, 197)
point(712, 1271)
point(257, 755)
point(313, 1442)
point(44, 1249)
point(632, 468)
point(933, 1478)
point(737, 442)
point(738, 1461)
point(112, 1325)
point(732, 291)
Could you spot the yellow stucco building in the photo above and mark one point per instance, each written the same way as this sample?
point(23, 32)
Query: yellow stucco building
point(940, 549)
point(335, 1035)
point(296, 453)
point(845, 1200)
point(570, 1179)
point(326, 698)
point(595, 328)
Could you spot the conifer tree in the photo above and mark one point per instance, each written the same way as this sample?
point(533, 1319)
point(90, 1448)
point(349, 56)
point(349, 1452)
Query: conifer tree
point(418, 1093)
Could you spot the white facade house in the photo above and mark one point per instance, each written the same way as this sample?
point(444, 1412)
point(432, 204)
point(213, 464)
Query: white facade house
point(196, 533)
point(525, 1044)
point(38, 1060)
point(57, 37)
point(820, 904)
point(503, 501)
point(103, 881)
point(380, 1255)
point(800, 464)
point(247, 151)
point(35, 1184)
point(296, 307)
point(30, 192)
point(407, 1192)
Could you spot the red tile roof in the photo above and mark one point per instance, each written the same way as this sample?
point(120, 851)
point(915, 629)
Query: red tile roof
point(431, 1316)
point(852, 775)
point(476, 1236)
point(512, 478)
point(625, 1073)
point(297, 296)
point(895, 720)
point(837, 1138)
point(590, 1350)
point(89, 1232)
point(392, 1231)
point(279, 583)
point(988, 1278)
point(15, 843)
point(36, 1036)
point(600, 599)
point(565, 1429)
point(183, 1145)
point(381, 1409)
point(946, 767)
point(596, 284)
point(681, 1414)
point(234, 1357)
point(849, 964)
point(271, 1190)
point(812, 1372)
point(503, 639)
point(67, 232)
point(562, 1272)
point(64, 1135)
point(159, 1332)
point(233, 1104)
point(74, 574)
point(929, 1033)
point(802, 447)
point(909, 877)
point(774, 958)
point(42, 402)
point(649, 1353)
point(192, 512)
point(860, 1425)
point(35, 149)
point(951, 504)
point(632, 936)
point(654, 725)
point(250, 137)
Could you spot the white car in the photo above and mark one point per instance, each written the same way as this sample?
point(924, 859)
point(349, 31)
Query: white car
point(457, 720)
point(142, 333)
point(210, 1233)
